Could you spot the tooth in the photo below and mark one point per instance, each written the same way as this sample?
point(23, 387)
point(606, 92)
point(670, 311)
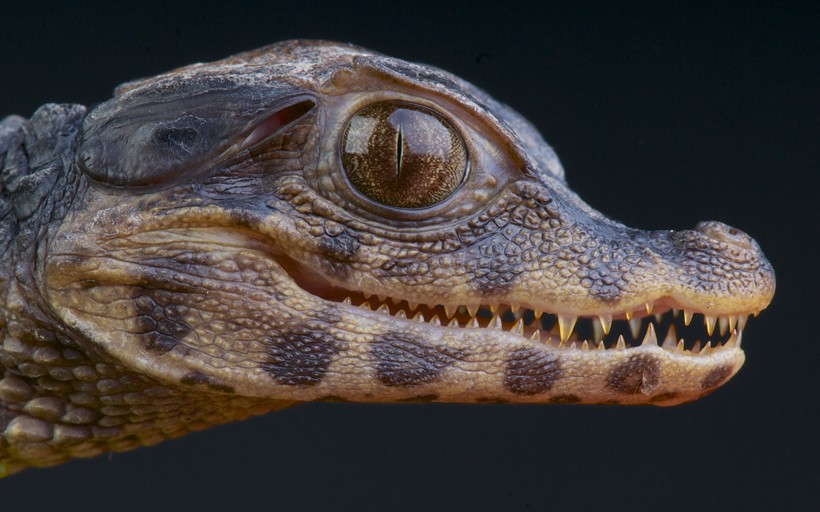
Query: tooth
point(739, 338)
point(706, 348)
point(492, 309)
point(401, 314)
point(606, 322)
point(514, 308)
point(687, 317)
point(412, 305)
point(473, 323)
point(537, 313)
point(741, 322)
point(450, 310)
point(435, 321)
point(572, 346)
point(419, 317)
point(732, 322)
point(585, 346)
point(548, 341)
point(710, 323)
point(496, 322)
point(650, 338)
point(518, 327)
point(628, 315)
point(601, 345)
point(649, 306)
point(381, 297)
point(658, 318)
point(565, 325)
point(671, 336)
point(680, 346)
point(621, 344)
point(453, 323)
point(635, 327)
point(473, 310)
point(597, 331)
point(347, 301)
point(383, 309)
point(732, 341)
point(675, 312)
point(723, 324)
point(536, 335)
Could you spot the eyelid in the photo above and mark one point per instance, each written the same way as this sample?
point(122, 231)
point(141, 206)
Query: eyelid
point(277, 121)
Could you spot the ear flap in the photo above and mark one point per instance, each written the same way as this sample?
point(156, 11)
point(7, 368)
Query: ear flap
point(165, 132)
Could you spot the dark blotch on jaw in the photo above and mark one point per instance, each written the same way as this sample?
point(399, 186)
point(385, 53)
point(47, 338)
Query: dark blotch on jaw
point(199, 379)
point(404, 360)
point(531, 371)
point(162, 324)
point(639, 374)
point(716, 377)
point(302, 356)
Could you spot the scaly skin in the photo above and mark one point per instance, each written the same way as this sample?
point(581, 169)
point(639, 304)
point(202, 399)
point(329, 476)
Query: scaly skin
point(194, 251)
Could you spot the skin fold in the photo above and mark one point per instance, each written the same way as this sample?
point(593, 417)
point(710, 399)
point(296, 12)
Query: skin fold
point(315, 221)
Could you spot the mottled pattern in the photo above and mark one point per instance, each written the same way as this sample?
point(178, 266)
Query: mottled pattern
point(181, 255)
point(404, 360)
point(531, 371)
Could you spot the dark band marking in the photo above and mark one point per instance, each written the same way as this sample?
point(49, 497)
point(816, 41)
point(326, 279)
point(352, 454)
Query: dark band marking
point(639, 374)
point(163, 327)
point(663, 397)
point(531, 371)
point(405, 360)
point(199, 379)
point(716, 377)
point(302, 356)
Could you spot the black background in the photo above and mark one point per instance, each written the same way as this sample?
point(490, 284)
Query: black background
point(663, 116)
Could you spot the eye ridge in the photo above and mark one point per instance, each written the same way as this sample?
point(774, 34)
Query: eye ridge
point(403, 155)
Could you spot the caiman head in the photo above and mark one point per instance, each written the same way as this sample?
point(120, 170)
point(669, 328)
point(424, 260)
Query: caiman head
point(315, 221)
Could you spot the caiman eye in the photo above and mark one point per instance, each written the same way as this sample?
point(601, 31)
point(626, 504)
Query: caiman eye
point(403, 155)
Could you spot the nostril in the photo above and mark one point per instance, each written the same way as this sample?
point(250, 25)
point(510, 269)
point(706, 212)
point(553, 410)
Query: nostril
point(723, 233)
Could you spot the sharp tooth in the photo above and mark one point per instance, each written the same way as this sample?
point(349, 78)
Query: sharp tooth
point(518, 327)
point(453, 323)
point(675, 312)
point(706, 348)
point(383, 309)
point(473, 323)
point(723, 324)
point(606, 322)
point(680, 346)
point(419, 317)
point(732, 322)
point(687, 317)
point(537, 313)
point(473, 310)
point(741, 322)
point(536, 335)
point(365, 305)
point(585, 346)
point(565, 325)
point(649, 306)
point(496, 322)
point(548, 341)
point(597, 331)
point(492, 309)
point(601, 345)
point(435, 321)
point(635, 327)
point(381, 297)
point(732, 341)
point(650, 338)
point(621, 344)
point(710, 323)
point(562, 344)
point(347, 301)
point(514, 308)
point(401, 314)
point(412, 305)
point(450, 310)
point(628, 315)
point(658, 317)
point(671, 336)
point(572, 346)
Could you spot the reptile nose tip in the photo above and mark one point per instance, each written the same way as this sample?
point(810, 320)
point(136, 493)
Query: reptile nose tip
point(723, 233)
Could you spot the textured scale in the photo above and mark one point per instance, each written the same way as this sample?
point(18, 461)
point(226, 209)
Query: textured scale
point(193, 252)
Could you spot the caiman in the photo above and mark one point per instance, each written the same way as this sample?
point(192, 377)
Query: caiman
point(314, 221)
